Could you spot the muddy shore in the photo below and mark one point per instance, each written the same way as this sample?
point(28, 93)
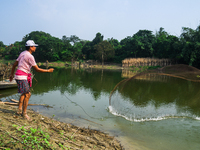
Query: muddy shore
point(46, 133)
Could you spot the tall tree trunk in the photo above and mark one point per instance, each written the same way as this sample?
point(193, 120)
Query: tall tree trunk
point(79, 64)
point(72, 61)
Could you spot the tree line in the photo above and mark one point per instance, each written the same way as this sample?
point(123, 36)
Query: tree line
point(183, 49)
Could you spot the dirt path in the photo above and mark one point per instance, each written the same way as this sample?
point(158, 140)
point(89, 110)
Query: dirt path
point(46, 133)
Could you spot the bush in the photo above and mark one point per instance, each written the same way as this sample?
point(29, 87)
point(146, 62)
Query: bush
point(7, 57)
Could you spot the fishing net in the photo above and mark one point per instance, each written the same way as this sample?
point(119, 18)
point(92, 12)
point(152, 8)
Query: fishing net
point(157, 94)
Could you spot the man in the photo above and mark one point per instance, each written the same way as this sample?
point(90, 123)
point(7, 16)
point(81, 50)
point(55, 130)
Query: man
point(23, 76)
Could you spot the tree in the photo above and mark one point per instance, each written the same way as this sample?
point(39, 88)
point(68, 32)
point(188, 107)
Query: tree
point(66, 54)
point(143, 42)
point(88, 47)
point(166, 46)
point(162, 44)
point(2, 48)
point(117, 48)
point(114, 42)
point(76, 48)
point(104, 50)
point(66, 41)
point(74, 39)
point(49, 48)
point(87, 50)
point(125, 49)
point(191, 45)
point(97, 39)
point(1, 44)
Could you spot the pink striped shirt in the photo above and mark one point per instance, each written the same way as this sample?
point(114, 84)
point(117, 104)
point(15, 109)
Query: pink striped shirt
point(25, 62)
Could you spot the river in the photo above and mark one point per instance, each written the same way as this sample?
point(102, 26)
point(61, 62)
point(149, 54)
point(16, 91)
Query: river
point(151, 113)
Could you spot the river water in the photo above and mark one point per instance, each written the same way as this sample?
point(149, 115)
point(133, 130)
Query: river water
point(148, 114)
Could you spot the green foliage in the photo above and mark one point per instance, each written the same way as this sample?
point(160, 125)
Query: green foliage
point(144, 40)
point(87, 50)
point(184, 49)
point(77, 50)
point(97, 39)
point(1, 44)
point(190, 46)
point(104, 51)
point(31, 138)
point(66, 55)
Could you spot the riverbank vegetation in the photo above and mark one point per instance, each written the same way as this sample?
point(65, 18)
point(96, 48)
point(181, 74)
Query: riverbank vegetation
point(184, 49)
point(46, 133)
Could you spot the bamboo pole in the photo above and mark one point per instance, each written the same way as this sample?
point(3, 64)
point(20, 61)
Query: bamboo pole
point(16, 103)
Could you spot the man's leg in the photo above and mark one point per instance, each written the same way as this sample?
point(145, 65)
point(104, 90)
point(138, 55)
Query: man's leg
point(20, 104)
point(25, 105)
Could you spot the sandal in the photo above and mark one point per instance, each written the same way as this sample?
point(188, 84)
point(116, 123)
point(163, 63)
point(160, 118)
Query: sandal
point(26, 117)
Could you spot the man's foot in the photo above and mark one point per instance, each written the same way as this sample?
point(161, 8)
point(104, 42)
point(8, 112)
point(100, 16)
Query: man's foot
point(19, 112)
point(26, 117)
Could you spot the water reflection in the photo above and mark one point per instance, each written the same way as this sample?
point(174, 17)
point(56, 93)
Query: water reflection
point(7, 92)
point(71, 81)
point(156, 99)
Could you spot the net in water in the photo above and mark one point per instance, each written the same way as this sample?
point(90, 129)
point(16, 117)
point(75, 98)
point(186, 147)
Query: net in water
point(167, 92)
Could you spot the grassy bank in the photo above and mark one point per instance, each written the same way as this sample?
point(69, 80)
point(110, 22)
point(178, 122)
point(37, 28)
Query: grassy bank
point(61, 64)
point(46, 133)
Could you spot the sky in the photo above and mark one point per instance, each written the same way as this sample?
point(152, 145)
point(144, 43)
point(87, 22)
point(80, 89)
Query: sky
point(84, 18)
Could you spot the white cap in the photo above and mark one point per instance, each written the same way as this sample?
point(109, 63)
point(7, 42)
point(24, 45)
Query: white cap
point(31, 43)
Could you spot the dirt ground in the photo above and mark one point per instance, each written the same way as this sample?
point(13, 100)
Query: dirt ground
point(46, 133)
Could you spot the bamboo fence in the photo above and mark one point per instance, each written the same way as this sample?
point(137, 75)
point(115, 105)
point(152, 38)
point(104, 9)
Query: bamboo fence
point(145, 62)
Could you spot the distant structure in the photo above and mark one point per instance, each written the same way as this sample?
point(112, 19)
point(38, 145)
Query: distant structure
point(146, 62)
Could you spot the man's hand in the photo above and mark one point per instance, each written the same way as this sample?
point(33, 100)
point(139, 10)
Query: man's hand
point(11, 78)
point(51, 70)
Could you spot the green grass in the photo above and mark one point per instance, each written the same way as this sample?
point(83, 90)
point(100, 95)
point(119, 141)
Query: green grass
point(3, 61)
point(32, 138)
